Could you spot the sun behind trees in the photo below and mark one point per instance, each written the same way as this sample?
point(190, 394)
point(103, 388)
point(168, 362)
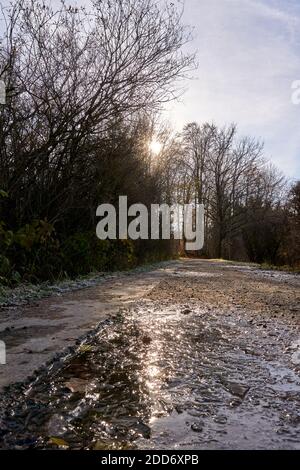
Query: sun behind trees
point(72, 132)
point(84, 92)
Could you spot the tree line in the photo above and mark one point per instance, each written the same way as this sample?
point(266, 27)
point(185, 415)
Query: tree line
point(84, 90)
point(250, 205)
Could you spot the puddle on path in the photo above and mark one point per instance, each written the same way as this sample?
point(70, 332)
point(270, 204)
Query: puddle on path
point(172, 377)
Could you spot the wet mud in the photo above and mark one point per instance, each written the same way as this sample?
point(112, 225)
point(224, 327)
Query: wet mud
point(209, 359)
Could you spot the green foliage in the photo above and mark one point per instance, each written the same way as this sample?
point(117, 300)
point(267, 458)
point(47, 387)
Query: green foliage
point(31, 253)
point(123, 254)
point(3, 194)
point(6, 240)
point(39, 232)
point(4, 264)
point(282, 268)
point(6, 237)
point(83, 252)
point(34, 253)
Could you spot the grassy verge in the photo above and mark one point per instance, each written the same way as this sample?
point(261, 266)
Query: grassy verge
point(263, 266)
point(235, 263)
point(285, 268)
point(26, 293)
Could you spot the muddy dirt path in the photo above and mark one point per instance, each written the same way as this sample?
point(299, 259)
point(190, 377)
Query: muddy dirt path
point(37, 332)
point(207, 358)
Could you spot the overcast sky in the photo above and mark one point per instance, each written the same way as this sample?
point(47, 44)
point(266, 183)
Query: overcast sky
point(249, 55)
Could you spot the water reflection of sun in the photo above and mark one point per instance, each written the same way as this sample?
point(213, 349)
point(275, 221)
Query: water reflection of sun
point(158, 365)
point(154, 378)
point(152, 372)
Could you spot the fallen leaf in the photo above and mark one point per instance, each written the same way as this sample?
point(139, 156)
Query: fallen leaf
point(85, 348)
point(59, 442)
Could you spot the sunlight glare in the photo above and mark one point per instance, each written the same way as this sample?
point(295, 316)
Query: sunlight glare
point(155, 147)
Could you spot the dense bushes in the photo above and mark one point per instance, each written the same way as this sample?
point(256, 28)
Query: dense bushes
point(34, 253)
point(83, 253)
point(290, 249)
point(83, 89)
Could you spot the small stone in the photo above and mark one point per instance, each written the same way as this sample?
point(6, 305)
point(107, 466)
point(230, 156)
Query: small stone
point(146, 339)
point(220, 419)
point(235, 403)
point(196, 427)
point(237, 389)
point(179, 409)
point(186, 311)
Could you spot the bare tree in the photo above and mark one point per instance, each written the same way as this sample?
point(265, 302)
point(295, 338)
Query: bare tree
point(71, 74)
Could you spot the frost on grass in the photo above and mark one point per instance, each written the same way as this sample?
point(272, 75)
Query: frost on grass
point(25, 293)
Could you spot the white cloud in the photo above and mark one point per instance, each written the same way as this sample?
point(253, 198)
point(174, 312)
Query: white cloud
point(271, 11)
